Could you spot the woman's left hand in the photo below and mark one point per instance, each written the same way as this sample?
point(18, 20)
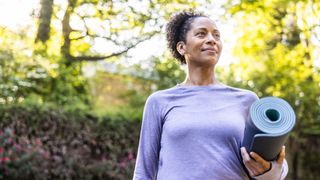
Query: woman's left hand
point(255, 164)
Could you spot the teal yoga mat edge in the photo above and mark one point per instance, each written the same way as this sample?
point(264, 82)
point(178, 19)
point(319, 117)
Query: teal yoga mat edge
point(268, 145)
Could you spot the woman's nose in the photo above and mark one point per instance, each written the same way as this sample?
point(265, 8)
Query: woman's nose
point(211, 38)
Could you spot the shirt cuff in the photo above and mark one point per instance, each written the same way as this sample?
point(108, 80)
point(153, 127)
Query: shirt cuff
point(277, 172)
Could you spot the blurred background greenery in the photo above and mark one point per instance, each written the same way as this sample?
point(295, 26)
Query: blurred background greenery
point(74, 79)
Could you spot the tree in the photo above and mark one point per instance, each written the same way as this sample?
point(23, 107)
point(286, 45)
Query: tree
point(277, 57)
point(119, 25)
point(70, 32)
point(46, 10)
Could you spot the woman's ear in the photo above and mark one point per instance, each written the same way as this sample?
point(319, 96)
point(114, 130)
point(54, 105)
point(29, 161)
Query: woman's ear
point(181, 48)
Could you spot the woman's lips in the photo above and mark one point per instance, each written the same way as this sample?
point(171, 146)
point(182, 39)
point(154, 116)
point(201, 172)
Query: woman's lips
point(210, 50)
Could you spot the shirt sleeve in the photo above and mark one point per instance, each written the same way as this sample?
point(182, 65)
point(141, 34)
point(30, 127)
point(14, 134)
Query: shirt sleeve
point(277, 172)
point(149, 143)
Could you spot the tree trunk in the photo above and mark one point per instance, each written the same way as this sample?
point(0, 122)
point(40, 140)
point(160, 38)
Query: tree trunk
point(66, 30)
point(295, 166)
point(46, 11)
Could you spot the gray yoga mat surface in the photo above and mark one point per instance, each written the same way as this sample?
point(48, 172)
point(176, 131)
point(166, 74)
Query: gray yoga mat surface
point(270, 121)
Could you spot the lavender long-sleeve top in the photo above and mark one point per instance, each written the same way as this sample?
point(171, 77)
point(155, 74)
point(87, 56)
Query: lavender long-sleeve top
point(193, 132)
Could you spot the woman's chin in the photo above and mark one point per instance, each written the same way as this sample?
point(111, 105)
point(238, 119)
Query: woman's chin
point(211, 60)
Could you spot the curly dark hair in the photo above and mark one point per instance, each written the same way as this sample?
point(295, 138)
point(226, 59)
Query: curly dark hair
point(177, 28)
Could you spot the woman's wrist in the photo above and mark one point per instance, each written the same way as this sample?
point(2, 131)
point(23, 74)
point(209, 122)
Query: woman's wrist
point(275, 172)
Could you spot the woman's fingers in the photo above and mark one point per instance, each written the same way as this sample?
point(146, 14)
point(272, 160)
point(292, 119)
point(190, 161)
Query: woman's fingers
point(265, 164)
point(281, 155)
point(251, 173)
point(246, 158)
point(244, 154)
point(248, 162)
point(255, 164)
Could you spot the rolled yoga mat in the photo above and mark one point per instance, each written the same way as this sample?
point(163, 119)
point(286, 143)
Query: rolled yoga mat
point(270, 121)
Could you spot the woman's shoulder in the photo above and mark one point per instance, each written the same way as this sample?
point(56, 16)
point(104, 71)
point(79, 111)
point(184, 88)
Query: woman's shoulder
point(241, 92)
point(163, 96)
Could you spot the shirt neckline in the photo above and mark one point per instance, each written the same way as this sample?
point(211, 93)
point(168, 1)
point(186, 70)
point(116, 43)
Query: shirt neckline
point(216, 84)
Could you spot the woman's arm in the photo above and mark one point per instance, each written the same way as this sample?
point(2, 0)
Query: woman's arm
point(261, 169)
point(149, 143)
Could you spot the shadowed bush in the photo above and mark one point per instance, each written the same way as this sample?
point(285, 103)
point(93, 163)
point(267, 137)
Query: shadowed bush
point(56, 144)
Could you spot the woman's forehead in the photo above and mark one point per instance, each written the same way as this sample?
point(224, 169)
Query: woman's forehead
point(203, 23)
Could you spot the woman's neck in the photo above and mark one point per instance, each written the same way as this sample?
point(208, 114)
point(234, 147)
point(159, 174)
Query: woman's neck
point(199, 77)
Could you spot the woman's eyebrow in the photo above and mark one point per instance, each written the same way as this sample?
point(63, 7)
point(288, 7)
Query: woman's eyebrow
point(201, 29)
point(206, 29)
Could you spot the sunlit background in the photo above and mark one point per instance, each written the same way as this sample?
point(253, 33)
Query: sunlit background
point(17, 14)
point(73, 82)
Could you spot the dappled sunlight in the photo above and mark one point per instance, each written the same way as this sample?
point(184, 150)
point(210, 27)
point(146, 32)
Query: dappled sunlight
point(95, 63)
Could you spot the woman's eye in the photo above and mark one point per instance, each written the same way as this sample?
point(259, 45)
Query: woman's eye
point(201, 34)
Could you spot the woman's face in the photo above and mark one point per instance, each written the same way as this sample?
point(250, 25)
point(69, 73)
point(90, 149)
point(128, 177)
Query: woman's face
point(203, 45)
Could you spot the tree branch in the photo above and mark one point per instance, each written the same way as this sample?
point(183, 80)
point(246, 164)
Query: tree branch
point(98, 58)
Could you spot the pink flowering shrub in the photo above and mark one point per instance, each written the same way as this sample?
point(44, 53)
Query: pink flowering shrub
point(16, 153)
point(40, 143)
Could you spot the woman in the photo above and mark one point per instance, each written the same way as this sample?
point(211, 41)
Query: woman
point(194, 130)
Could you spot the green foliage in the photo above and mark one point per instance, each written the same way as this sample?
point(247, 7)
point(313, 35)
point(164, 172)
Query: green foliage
point(168, 73)
point(161, 74)
point(74, 145)
point(126, 91)
point(277, 50)
point(40, 78)
point(16, 154)
point(50, 71)
point(69, 88)
point(118, 25)
point(277, 57)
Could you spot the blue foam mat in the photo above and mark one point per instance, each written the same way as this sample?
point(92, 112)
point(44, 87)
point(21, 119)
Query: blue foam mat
point(270, 121)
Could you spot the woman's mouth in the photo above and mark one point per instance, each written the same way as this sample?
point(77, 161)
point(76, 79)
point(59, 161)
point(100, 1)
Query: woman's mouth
point(211, 50)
